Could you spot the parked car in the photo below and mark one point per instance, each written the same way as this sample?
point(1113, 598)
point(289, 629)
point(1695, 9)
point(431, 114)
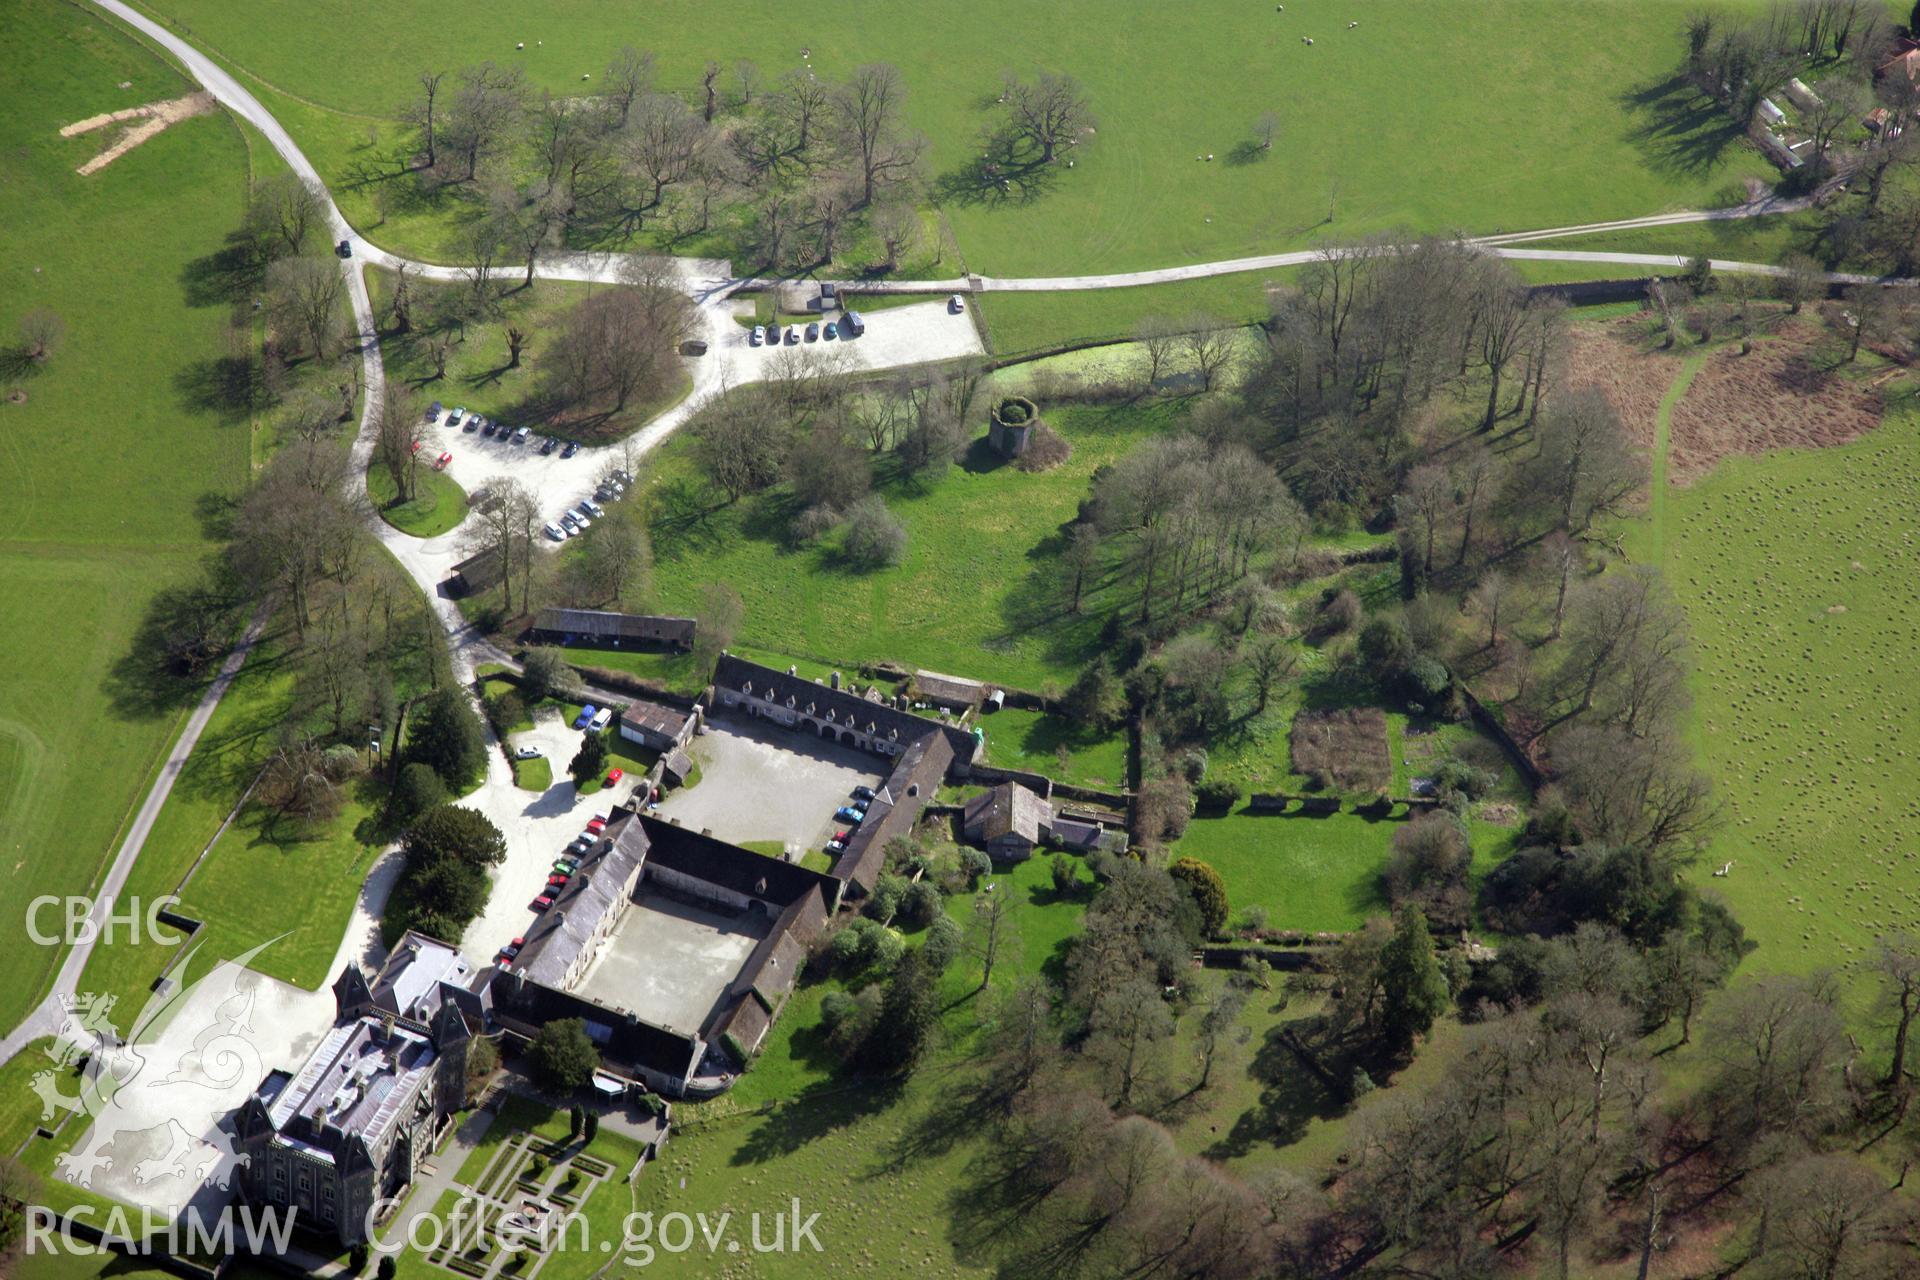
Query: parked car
point(344, 248)
point(528, 753)
point(773, 335)
point(581, 843)
point(569, 524)
point(585, 718)
point(813, 331)
point(831, 331)
point(582, 517)
point(565, 866)
point(440, 463)
point(863, 793)
point(555, 532)
point(573, 447)
point(836, 845)
point(601, 719)
point(541, 903)
point(793, 335)
point(593, 508)
point(453, 419)
point(486, 427)
point(522, 435)
point(693, 347)
point(546, 446)
point(597, 825)
point(557, 881)
point(758, 336)
point(623, 475)
point(614, 776)
point(511, 950)
point(414, 447)
point(852, 325)
point(433, 412)
point(473, 424)
point(956, 304)
point(847, 813)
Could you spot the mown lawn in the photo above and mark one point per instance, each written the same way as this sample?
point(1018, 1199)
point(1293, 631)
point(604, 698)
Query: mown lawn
point(1033, 740)
point(976, 594)
point(1531, 113)
point(438, 503)
point(122, 449)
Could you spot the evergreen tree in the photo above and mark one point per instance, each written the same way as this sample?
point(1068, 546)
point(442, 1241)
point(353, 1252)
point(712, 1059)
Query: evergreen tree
point(589, 761)
point(447, 737)
point(1413, 990)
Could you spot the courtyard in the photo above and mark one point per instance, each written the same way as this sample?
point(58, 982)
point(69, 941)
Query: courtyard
point(761, 784)
point(670, 963)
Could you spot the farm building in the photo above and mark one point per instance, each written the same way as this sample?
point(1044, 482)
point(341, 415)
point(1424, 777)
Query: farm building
point(475, 574)
point(1007, 822)
point(656, 727)
point(611, 630)
point(952, 692)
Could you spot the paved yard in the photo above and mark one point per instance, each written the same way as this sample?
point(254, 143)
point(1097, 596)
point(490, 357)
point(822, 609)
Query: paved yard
point(914, 334)
point(538, 827)
point(762, 782)
point(671, 963)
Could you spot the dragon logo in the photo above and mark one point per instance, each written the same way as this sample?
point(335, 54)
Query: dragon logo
point(169, 1130)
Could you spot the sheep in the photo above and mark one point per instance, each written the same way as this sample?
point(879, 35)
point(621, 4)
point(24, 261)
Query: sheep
point(1352, 25)
point(521, 45)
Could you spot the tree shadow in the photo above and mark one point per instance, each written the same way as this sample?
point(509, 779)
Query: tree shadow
point(228, 276)
point(791, 1126)
point(1682, 130)
point(1291, 1097)
point(1247, 152)
point(1000, 175)
point(231, 388)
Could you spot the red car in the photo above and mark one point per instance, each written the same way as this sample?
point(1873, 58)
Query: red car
point(614, 775)
point(511, 950)
point(441, 463)
point(598, 825)
point(556, 880)
point(541, 903)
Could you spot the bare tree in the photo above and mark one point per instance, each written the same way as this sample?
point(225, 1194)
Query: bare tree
point(421, 112)
point(1210, 346)
point(896, 224)
point(1799, 281)
point(1159, 339)
point(1898, 967)
point(41, 332)
point(283, 213)
point(716, 623)
point(1264, 128)
point(483, 117)
point(1424, 505)
point(993, 930)
point(629, 78)
point(397, 441)
point(869, 114)
point(304, 296)
point(709, 81)
point(662, 144)
point(1046, 113)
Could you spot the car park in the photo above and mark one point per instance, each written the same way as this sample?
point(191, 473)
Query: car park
point(546, 446)
point(585, 718)
point(541, 903)
point(522, 435)
point(758, 336)
point(572, 448)
point(847, 813)
point(614, 776)
point(555, 532)
point(956, 304)
point(813, 331)
point(863, 793)
point(528, 753)
point(831, 331)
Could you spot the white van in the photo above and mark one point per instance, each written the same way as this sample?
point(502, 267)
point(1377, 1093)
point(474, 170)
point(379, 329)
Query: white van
point(601, 719)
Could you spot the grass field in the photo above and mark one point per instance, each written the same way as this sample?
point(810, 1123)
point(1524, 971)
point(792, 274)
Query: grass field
point(1588, 125)
point(1019, 739)
point(973, 597)
point(438, 503)
point(118, 453)
point(1796, 571)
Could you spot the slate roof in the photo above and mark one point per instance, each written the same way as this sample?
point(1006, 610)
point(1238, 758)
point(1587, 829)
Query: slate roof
point(599, 885)
point(1008, 809)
